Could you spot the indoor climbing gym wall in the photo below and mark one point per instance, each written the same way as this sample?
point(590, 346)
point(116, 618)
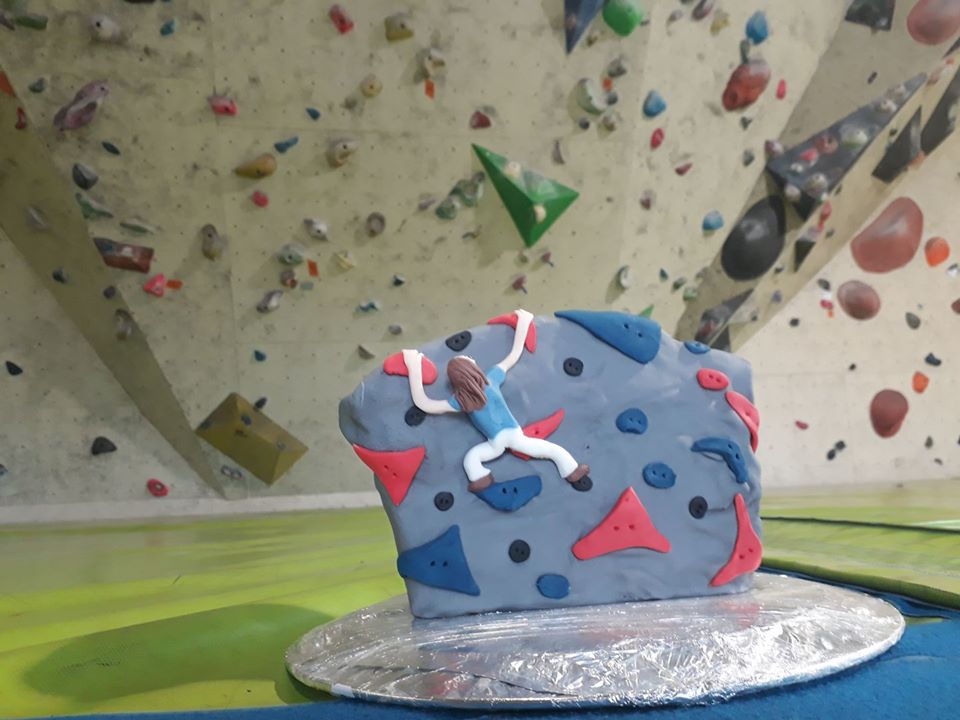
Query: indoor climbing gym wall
point(217, 217)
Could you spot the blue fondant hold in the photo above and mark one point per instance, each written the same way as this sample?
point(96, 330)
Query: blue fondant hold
point(554, 587)
point(512, 494)
point(283, 145)
point(654, 104)
point(439, 563)
point(633, 420)
point(697, 348)
point(757, 28)
point(726, 449)
point(712, 221)
point(659, 475)
point(636, 337)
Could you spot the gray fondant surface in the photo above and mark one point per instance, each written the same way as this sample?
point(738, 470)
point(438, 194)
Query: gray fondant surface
point(679, 412)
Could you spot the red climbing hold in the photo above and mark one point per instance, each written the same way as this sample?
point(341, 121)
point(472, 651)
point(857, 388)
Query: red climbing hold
point(223, 105)
point(394, 365)
point(480, 120)
point(710, 379)
point(936, 250)
point(312, 268)
point(746, 84)
point(920, 382)
point(801, 424)
point(747, 550)
point(888, 409)
point(341, 19)
point(627, 525)
point(541, 429)
point(781, 89)
point(955, 306)
point(825, 212)
point(21, 123)
point(656, 139)
point(156, 285)
point(932, 22)
point(394, 469)
point(511, 319)
point(260, 199)
point(747, 412)
point(608, 84)
point(683, 169)
point(157, 488)
point(429, 88)
point(891, 240)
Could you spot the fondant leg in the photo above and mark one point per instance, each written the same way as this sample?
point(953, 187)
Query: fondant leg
point(473, 461)
point(545, 450)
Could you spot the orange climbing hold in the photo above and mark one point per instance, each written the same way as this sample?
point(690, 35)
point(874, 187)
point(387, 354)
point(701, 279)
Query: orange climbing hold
point(429, 88)
point(394, 469)
point(627, 525)
point(394, 365)
point(747, 549)
point(541, 429)
point(174, 284)
point(312, 268)
point(937, 250)
point(920, 382)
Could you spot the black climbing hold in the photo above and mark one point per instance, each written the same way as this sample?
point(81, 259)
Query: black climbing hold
point(584, 484)
point(519, 551)
point(260, 403)
point(853, 366)
point(109, 292)
point(572, 366)
point(901, 152)
point(823, 283)
point(942, 120)
point(584, 123)
point(443, 501)
point(13, 368)
point(111, 148)
point(246, 420)
point(840, 445)
point(259, 355)
point(755, 243)
point(913, 322)
point(459, 341)
point(84, 177)
point(831, 454)
point(60, 276)
point(801, 248)
point(612, 98)
point(932, 359)
point(928, 443)
point(414, 416)
point(875, 14)
point(102, 446)
point(794, 322)
point(698, 507)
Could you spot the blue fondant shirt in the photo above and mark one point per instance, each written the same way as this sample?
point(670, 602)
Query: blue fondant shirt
point(495, 415)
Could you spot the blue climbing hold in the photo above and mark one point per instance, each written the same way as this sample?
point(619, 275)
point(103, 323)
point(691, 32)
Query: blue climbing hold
point(757, 29)
point(168, 28)
point(285, 145)
point(259, 355)
point(555, 587)
point(726, 449)
point(636, 337)
point(697, 348)
point(633, 420)
point(13, 368)
point(512, 494)
point(439, 563)
point(659, 475)
point(313, 113)
point(654, 104)
point(110, 147)
point(712, 221)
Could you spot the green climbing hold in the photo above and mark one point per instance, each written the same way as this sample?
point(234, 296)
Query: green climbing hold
point(533, 201)
point(647, 311)
point(92, 210)
point(623, 16)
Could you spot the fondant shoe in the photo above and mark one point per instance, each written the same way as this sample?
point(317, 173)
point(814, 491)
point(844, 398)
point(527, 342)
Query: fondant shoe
point(481, 484)
point(581, 472)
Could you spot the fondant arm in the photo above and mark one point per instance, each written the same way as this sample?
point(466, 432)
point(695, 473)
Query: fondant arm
point(524, 319)
point(414, 363)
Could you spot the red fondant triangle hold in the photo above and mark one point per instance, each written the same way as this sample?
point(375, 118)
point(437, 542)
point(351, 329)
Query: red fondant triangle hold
point(747, 412)
point(394, 365)
point(394, 469)
point(541, 429)
point(626, 526)
point(747, 549)
point(511, 319)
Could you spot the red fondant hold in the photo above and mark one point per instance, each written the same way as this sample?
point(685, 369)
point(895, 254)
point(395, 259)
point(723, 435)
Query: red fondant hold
point(746, 84)
point(511, 319)
point(748, 414)
point(710, 379)
point(157, 488)
point(541, 429)
point(627, 525)
point(747, 549)
point(394, 365)
point(394, 469)
point(156, 285)
point(656, 140)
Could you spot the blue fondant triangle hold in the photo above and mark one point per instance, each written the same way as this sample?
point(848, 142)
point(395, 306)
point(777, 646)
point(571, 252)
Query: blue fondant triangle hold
point(439, 563)
point(726, 449)
point(577, 16)
point(635, 336)
point(512, 494)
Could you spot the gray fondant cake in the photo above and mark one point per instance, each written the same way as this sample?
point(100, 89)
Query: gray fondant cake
point(570, 460)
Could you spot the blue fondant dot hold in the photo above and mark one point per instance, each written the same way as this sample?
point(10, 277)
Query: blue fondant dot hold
point(697, 348)
point(757, 28)
point(654, 104)
point(313, 113)
point(636, 337)
point(555, 587)
point(440, 563)
point(659, 475)
point(512, 494)
point(726, 449)
point(633, 420)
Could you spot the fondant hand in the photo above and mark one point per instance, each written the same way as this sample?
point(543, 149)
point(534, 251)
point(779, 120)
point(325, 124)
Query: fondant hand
point(412, 359)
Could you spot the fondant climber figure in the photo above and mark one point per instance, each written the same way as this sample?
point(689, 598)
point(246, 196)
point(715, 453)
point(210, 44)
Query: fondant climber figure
point(478, 395)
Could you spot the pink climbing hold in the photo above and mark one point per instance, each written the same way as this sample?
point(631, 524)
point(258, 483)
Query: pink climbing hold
point(710, 379)
point(394, 365)
point(683, 169)
point(781, 89)
point(825, 212)
point(156, 285)
point(157, 488)
point(341, 19)
point(747, 549)
point(541, 429)
point(932, 22)
point(394, 469)
point(747, 412)
point(801, 424)
point(627, 525)
point(656, 139)
point(511, 319)
point(479, 120)
point(223, 105)
point(260, 199)
point(891, 240)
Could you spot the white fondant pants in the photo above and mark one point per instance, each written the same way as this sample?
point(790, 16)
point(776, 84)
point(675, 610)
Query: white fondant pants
point(514, 439)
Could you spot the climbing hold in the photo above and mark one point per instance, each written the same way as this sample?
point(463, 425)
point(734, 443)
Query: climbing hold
point(632, 420)
point(728, 451)
point(157, 488)
point(611, 120)
point(933, 360)
point(156, 285)
point(260, 167)
point(748, 157)
point(511, 495)
point(124, 256)
point(369, 306)
point(712, 221)
point(936, 250)
point(110, 147)
point(102, 446)
point(678, 283)
point(757, 29)
point(84, 177)
point(858, 300)
point(654, 104)
point(222, 105)
point(781, 89)
point(710, 379)
point(109, 292)
point(37, 219)
point(439, 563)
point(589, 97)
point(339, 151)
point(169, 27)
point(82, 109)
point(375, 224)
point(60, 276)
point(364, 352)
point(105, 29)
point(270, 301)
point(469, 191)
point(459, 341)
point(370, 86)
point(519, 551)
point(345, 260)
point(647, 198)
point(398, 26)
point(341, 19)
point(623, 16)
point(703, 9)
point(520, 283)
point(932, 22)
point(281, 147)
point(794, 322)
point(747, 413)
point(697, 348)
point(480, 120)
point(624, 277)
point(259, 355)
point(555, 587)
point(627, 525)
point(260, 199)
point(746, 84)
point(137, 226)
point(38, 85)
point(690, 293)
point(316, 228)
point(776, 297)
point(756, 241)
point(395, 365)
point(656, 138)
point(928, 443)
point(887, 412)
point(683, 168)
point(212, 244)
point(573, 366)
point(578, 14)
point(920, 382)
point(636, 337)
point(399, 280)
point(617, 67)
point(913, 322)
point(432, 63)
point(13, 369)
point(747, 549)
point(395, 329)
point(313, 113)
point(659, 475)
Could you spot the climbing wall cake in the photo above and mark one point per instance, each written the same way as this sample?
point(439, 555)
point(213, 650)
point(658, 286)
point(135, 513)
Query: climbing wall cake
point(578, 459)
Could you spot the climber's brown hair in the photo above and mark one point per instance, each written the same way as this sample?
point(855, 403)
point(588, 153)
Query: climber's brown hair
point(468, 383)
